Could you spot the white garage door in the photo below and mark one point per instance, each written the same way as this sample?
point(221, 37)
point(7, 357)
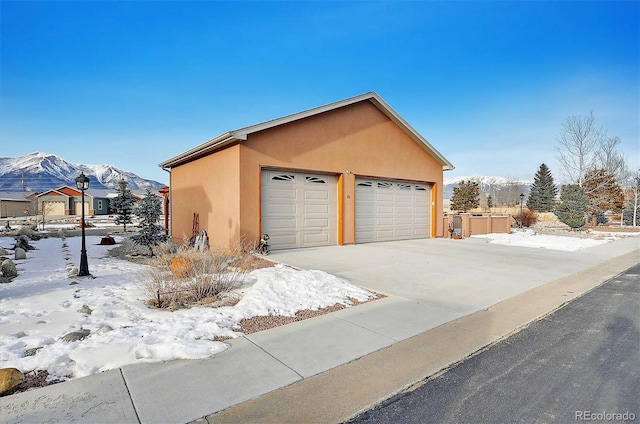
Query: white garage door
point(78, 208)
point(391, 210)
point(53, 208)
point(299, 209)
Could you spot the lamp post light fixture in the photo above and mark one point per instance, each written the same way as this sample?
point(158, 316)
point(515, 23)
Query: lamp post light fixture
point(521, 217)
point(82, 182)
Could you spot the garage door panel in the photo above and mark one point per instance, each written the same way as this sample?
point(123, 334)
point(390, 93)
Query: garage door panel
point(283, 193)
point(284, 224)
point(315, 223)
point(384, 197)
point(316, 195)
point(323, 209)
point(315, 239)
point(392, 210)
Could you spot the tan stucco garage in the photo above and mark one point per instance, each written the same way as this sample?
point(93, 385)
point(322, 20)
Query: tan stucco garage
point(298, 178)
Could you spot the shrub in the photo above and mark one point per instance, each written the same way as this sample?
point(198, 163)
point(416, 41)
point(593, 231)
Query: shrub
point(202, 276)
point(529, 218)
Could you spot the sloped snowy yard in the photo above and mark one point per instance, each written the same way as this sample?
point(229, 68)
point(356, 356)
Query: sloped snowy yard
point(42, 304)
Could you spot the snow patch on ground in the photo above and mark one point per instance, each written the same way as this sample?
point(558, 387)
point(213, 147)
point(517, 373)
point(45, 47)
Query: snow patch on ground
point(529, 238)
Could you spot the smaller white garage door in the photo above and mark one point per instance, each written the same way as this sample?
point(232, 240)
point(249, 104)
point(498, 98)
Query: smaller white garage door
point(53, 208)
point(299, 209)
point(78, 207)
point(392, 210)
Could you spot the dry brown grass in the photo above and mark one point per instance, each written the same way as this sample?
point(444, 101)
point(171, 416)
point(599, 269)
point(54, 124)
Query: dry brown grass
point(184, 276)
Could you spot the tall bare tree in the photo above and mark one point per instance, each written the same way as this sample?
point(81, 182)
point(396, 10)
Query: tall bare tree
point(576, 145)
point(609, 158)
point(633, 200)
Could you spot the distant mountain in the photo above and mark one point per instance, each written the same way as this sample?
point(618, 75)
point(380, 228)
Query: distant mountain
point(500, 188)
point(38, 172)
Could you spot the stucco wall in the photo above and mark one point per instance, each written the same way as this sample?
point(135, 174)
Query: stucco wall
point(356, 140)
point(209, 187)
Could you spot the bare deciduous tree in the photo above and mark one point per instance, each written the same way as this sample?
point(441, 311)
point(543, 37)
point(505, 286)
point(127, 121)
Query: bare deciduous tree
point(576, 146)
point(609, 158)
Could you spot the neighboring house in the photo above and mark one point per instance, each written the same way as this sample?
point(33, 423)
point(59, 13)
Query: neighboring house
point(65, 200)
point(15, 204)
point(349, 172)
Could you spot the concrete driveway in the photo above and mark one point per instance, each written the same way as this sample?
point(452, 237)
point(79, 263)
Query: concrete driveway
point(462, 276)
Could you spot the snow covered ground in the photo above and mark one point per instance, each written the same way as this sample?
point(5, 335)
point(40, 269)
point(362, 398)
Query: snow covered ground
point(42, 304)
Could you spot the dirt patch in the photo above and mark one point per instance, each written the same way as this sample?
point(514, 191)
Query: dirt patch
point(261, 323)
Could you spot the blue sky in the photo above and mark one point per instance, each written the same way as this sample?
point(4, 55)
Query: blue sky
point(487, 83)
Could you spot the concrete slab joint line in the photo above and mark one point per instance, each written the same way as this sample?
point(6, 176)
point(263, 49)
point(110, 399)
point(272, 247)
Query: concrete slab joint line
point(345, 391)
point(276, 359)
point(124, 380)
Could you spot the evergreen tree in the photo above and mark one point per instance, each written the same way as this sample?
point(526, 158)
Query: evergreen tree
point(542, 196)
point(123, 205)
point(150, 234)
point(572, 206)
point(602, 191)
point(466, 196)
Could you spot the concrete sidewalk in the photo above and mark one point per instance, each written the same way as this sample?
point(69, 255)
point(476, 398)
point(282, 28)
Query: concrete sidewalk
point(446, 299)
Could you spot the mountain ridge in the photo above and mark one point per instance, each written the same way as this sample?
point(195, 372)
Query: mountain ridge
point(38, 172)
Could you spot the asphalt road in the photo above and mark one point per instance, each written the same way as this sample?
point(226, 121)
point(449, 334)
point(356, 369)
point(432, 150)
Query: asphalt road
point(580, 363)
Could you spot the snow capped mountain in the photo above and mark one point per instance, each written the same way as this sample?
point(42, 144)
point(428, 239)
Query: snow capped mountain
point(37, 172)
point(485, 180)
point(498, 187)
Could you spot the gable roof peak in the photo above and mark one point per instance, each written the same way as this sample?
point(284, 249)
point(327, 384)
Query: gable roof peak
point(242, 133)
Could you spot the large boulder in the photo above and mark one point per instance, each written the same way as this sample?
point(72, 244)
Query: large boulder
point(8, 269)
point(22, 242)
point(30, 233)
point(10, 378)
point(20, 254)
point(3, 251)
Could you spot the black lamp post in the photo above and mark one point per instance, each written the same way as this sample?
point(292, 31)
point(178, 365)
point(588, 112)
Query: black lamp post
point(521, 217)
point(82, 182)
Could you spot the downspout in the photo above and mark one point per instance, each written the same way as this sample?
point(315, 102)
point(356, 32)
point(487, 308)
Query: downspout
point(167, 206)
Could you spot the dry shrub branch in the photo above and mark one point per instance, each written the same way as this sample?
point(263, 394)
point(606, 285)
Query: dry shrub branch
point(186, 276)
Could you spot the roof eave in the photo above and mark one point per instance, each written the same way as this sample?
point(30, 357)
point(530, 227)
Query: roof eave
point(213, 144)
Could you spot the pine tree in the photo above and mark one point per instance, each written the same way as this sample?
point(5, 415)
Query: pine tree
point(602, 191)
point(150, 234)
point(542, 196)
point(572, 206)
point(466, 196)
point(123, 205)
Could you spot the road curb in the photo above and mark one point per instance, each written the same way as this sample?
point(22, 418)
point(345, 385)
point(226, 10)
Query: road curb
point(338, 394)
